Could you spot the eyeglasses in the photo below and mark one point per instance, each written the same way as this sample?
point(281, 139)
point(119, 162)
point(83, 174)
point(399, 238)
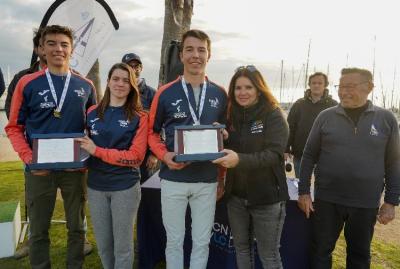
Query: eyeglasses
point(349, 87)
point(250, 68)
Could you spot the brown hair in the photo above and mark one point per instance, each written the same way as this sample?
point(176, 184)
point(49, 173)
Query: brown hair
point(316, 74)
point(366, 74)
point(199, 34)
point(57, 29)
point(37, 34)
point(259, 83)
point(132, 105)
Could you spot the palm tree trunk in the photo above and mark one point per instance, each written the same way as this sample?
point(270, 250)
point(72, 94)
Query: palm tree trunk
point(94, 75)
point(177, 20)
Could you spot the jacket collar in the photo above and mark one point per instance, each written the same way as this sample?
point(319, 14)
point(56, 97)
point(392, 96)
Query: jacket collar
point(371, 108)
point(307, 95)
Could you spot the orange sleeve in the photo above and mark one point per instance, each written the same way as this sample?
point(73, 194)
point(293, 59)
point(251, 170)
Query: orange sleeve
point(157, 146)
point(16, 130)
point(132, 157)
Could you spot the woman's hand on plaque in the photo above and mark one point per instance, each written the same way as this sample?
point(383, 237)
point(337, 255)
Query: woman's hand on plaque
point(87, 144)
point(230, 160)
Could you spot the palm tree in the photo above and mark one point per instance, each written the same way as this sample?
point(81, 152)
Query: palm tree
point(177, 20)
point(94, 76)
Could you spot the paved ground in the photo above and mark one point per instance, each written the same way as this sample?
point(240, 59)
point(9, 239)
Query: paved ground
point(7, 153)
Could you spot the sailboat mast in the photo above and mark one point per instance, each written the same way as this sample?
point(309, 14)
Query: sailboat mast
point(308, 61)
point(281, 88)
point(373, 68)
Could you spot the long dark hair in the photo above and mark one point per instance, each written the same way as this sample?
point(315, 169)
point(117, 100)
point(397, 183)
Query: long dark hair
point(259, 83)
point(132, 105)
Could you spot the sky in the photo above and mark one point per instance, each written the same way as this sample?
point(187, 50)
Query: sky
point(260, 32)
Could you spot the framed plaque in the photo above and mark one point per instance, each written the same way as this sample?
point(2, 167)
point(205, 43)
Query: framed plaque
point(198, 143)
point(57, 151)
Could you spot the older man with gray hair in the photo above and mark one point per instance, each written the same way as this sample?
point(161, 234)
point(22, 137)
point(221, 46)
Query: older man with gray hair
point(355, 150)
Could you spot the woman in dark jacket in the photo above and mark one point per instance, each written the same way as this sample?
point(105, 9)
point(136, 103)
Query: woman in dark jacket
point(256, 183)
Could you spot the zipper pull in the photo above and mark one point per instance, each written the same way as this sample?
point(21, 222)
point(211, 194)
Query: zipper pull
point(355, 130)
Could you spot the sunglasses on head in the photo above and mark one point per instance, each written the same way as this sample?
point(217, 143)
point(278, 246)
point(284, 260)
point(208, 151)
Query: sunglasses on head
point(250, 68)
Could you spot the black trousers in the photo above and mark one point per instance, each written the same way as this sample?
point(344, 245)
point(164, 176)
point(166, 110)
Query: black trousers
point(328, 221)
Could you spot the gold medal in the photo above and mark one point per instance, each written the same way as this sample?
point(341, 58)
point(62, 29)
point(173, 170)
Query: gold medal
point(57, 114)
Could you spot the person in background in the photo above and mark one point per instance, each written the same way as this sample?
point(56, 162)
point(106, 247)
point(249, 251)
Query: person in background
point(53, 100)
point(39, 65)
point(255, 185)
point(117, 142)
point(2, 83)
point(302, 115)
point(355, 150)
point(150, 163)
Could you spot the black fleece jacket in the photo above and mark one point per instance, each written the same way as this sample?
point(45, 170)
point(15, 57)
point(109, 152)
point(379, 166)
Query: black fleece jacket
point(259, 137)
point(301, 118)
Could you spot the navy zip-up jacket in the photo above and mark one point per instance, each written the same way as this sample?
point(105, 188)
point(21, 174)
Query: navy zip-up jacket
point(120, 148)
point(169, 109)
point(33, 105)
point(354, 163)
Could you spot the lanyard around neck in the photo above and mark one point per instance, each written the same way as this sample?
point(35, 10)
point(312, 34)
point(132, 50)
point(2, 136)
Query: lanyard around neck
point(201, 103)
point(53, 90)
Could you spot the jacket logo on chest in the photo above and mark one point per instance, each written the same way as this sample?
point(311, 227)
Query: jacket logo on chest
point(123, 123)
point(373, 131)
point(178, 114)
point(45, 103)
point(80, 92)
point(257, 127)
point(43, 92)
point(92, 124)
point(214, 102)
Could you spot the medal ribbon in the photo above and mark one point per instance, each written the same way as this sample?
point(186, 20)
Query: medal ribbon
point(201, 104)
point(53, 90)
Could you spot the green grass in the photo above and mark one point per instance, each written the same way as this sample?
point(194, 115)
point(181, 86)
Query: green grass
point(12, 188)
point(384, 255)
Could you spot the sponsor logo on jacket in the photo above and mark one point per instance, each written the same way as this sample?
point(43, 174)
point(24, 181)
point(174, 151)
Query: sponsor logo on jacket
point(178, 114)
point(257, 127)
point(92, 123)
point(46, 103)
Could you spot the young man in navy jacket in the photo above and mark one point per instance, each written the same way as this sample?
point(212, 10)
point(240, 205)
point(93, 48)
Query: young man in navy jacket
point(53, 100)
point(190, 99)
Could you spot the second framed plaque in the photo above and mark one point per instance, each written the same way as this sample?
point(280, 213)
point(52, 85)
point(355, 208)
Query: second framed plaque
point(195, 143)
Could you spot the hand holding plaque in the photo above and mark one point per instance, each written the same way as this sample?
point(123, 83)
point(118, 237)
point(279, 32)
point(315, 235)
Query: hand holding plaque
point(198, 143)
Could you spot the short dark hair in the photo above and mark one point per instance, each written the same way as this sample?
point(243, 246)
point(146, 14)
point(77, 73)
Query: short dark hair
point(355, 70)
point(316, 74)
point(57, 29)
point(199, 34)
point(37, 34)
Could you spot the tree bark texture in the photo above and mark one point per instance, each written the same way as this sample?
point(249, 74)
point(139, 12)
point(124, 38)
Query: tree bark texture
point(94, 76)
point(177, 20)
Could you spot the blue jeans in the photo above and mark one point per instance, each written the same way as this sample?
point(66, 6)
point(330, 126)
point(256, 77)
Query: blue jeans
point(175, 197)
point(265, 222)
